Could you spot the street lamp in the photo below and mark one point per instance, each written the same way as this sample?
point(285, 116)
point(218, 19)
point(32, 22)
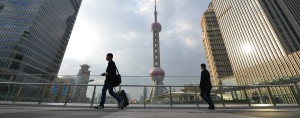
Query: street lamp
point(90, 81)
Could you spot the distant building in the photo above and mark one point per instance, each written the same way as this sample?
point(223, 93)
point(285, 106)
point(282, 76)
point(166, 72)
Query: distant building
point(144, 96)
point(71, 80)
point(187, 88)
point(188, 95)
point(59, 92)
point(83, 77)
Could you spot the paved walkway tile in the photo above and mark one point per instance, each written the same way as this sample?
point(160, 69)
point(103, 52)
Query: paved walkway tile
point(13, 111)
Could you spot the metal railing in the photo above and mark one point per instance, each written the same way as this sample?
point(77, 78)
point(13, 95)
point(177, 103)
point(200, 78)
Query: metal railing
point(62, 90)
point(175, 96)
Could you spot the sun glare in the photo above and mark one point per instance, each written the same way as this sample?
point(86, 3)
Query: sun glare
point(247, 48)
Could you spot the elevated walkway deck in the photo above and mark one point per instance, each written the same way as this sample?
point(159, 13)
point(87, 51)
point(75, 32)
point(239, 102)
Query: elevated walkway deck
point(17, 111)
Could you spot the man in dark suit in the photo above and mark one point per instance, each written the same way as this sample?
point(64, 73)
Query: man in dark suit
point(110, 77)
point(205, 86)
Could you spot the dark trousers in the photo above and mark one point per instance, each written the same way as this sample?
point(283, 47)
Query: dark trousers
point(110, 91)
point(205, 94)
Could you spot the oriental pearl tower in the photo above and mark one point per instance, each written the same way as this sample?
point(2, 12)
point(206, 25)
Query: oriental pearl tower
point(157, 74)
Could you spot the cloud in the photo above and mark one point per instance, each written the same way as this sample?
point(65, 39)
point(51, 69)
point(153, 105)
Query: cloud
point(123, 27)
point(144, 7)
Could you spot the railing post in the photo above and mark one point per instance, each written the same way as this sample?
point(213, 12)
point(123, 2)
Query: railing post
point(93, 96)
point(170, 91)
point(271, 95)
point(44, 90)
point(263, 100)
point(235, 94)
point(295, 95)
point(221, 93)
point(145, 97)
point(196, 96)
point(67, 97)
point(8, 86)
point(247, 98)
point(18, 93)
point(232, 95)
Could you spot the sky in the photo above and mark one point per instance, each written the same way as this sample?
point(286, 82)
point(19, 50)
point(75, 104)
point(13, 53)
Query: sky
point(123, 27)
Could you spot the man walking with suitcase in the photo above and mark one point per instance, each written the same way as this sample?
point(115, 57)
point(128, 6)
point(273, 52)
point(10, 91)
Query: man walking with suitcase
point(110, 77)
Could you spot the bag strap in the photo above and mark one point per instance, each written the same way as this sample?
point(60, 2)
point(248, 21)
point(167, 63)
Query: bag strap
point(118, 74)
point(117, 70)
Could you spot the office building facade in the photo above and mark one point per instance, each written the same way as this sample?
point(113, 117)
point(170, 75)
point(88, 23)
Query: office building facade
point(215, 51)
point(33, 37)
point(261, 38)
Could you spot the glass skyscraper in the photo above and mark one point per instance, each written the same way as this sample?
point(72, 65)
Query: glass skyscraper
point(33, 37)
point(261, 38)
point(215, 51)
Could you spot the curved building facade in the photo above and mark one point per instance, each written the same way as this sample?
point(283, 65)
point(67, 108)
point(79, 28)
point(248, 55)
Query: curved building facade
point(261, 38)
point(33, 37)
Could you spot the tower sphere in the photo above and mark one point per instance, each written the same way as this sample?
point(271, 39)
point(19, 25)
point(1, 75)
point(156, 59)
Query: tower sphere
point(157, 75)
point(155, 71)
point(156, 26)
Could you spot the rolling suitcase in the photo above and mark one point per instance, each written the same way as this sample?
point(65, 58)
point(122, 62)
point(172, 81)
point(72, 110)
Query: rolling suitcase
point(123, 95)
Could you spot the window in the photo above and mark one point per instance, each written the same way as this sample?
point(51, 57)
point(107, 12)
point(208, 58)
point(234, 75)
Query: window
point(1, 6)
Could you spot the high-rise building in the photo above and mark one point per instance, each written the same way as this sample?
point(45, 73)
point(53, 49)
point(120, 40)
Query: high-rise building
point(157, 74)
point(261, 38)
point(33, 37)
point(83, 77)
point(215, 51)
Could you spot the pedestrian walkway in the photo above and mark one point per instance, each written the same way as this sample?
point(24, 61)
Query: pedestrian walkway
point(15, 111)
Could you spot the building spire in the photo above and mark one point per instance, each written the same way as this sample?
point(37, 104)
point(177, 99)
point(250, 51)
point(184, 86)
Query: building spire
point(155, 13)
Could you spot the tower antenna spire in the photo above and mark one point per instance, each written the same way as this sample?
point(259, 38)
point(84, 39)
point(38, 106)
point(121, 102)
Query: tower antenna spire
point(155, 13)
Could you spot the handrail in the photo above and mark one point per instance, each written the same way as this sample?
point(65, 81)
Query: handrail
point(55, 74)
point(147, 85)
point(291, 92)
